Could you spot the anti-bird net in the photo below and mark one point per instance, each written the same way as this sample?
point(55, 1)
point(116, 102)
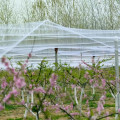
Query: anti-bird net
point(74, 45)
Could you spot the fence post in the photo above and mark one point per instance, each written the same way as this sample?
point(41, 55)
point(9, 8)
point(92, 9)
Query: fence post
point(56, 58)
point(117, 98)
point(93, 60)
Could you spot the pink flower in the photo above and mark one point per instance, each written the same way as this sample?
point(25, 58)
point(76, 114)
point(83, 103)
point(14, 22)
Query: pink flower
point(6, 64)
point(73, 86)
point(33, 73)
point(100, 107)
point(32, 80)
point(107, 113)
point(88, 113)
point(112, 82)
point(86, 75)
point(91, 80)
point(103, 97)
point(85, 96)
point(45, 108)
point(13, 71)
point(87, 102)
point(53, 80)
point(30, 86)
point(7, 97)
point(22, 102)
point(20, 83)
point(46, 103)
point(96, 85)
point(119, 110)
point(50, 91)
point(74, 114)
point(1, 107)
point(71, 106)
point(25, 71)
point(103, 82)
point(4, 84)
point(39, 89)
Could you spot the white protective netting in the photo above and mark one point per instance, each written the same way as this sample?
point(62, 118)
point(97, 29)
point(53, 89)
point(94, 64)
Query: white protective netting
point(17, 41)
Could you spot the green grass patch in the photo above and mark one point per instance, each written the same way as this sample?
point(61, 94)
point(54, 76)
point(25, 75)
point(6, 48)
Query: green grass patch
point(109, 105)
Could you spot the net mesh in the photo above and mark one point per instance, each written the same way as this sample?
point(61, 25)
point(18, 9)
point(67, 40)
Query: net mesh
point(74, 45)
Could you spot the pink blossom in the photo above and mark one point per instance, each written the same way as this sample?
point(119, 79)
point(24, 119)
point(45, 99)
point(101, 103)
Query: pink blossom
point(6, 64)
point(71, 106)
point(20, 83)
point(30, 86)
point(15, 78)
point(33, 73)
point(86, 75)
point(107, 113)
point(39, 89)
point(119, 110)
point(1, 107)
point(103, 82)
point(87, 102)
point(68, 107)
point(24, 65)
point(50, 91)
point(7, 97)
point(22, 102)
point(46, 103)
point(87, 64)
point(53, 80)
point(112, 82)
point(45, 108)
point(88, 113)
point(85, 96)
point(32, 80)
point(96, 85)
point(4, 84)
point(74, 114)
point(73, 86)
point(13, 71)
point(25, 71)
point(103, 97)
point(56, 107)
point(91, 80)
point(100, 107)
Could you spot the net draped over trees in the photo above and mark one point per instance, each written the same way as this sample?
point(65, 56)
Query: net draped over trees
point(40, 38)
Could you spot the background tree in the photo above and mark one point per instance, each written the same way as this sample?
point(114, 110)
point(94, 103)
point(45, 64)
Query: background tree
point(7, 13)
point(92, 14)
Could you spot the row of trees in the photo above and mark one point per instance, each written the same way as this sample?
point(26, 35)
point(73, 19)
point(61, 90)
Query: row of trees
point(88, 14)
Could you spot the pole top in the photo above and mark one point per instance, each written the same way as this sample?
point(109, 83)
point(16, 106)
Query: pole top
point(56, 49)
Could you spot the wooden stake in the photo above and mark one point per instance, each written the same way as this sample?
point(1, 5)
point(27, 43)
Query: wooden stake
point(56, 58)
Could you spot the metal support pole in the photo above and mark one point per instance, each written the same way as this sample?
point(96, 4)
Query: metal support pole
point(93, 60)
point(56, 58)
point(117, 99)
